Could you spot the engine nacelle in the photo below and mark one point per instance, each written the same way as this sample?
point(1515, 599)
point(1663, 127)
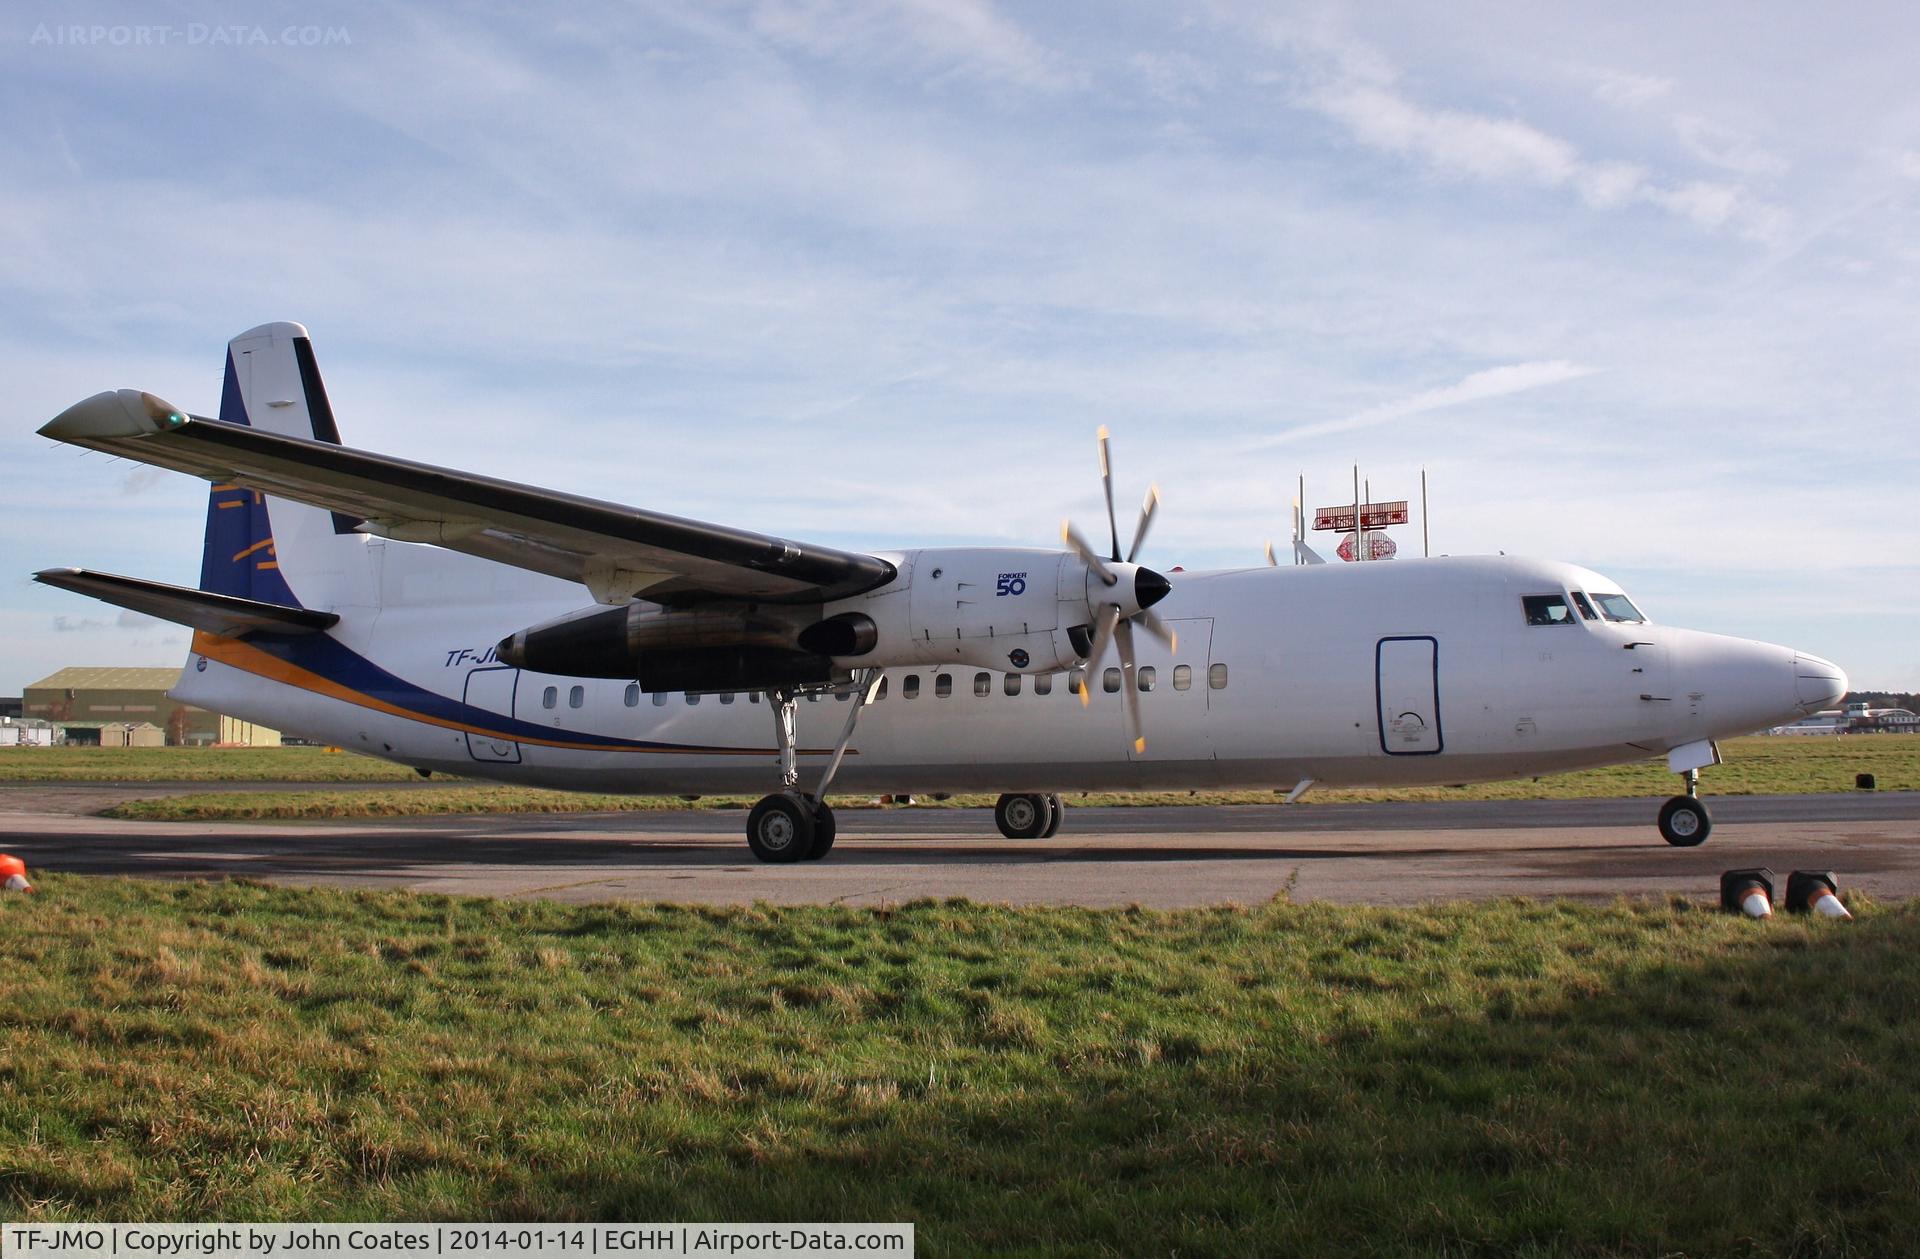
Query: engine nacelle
point(1008, 609)
point(616, 642)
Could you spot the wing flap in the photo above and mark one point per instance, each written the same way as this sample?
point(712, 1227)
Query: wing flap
point(228, 616)
point(604, 545)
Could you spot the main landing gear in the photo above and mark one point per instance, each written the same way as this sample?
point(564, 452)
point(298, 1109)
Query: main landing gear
point(1028, 816)
point(792, 825)
point(1684, 822)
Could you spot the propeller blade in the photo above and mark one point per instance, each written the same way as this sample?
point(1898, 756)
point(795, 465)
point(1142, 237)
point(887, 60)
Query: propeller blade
point(1129, 683)
point(1158, 628)
point(1271, 562)
point(1072, 538)
point(1102, 631)
point(1106, 479)
point(1148, 506)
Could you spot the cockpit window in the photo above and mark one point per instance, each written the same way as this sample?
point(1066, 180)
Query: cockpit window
point(1618, 608)
point(1586, 609)
point(1547, 609)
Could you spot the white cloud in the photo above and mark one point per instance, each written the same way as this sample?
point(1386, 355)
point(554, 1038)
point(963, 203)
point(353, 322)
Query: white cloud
point(1719, 145)
point(964, 36)
point(1493, 382)
point(1627, 89)
point(1494, 150)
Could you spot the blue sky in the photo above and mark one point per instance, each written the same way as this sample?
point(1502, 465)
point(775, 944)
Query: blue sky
point(1635, 284)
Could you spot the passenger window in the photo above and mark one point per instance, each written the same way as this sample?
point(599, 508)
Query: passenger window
point(1547, 609)
point(983, 684)
point(1011, 684)
point(1147, 678)
point(726, 697)
point(1110, 680)
point(1076, 678)
point(633, 695)
point(1182, 677)
point(1042, 683)
point(1586, 609)
point(659, 699)
point(549, 697)
point(942, 685)
point(753, 697)
point(692, 699)
point(882, 692)
point(1217, 677)
point(843, 695)
point(910, 686)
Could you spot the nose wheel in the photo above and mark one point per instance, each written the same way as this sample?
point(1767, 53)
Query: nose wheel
point(1684, 821)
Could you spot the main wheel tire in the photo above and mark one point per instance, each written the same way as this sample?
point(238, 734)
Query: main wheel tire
point(780, 828)
point(1684, 822)
point(823, 831)
point(1059, 813)
point(1022, 816)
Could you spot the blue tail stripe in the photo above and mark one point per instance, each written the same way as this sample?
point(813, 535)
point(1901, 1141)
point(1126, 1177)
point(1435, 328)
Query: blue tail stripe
point(239, 557)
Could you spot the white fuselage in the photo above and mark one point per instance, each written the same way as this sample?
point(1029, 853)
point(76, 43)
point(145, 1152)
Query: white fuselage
point(1416, 671)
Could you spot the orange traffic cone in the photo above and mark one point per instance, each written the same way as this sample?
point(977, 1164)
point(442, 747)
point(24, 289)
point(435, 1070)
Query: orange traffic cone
point(1815, 892)
point(1748, 892)
point(13, 873)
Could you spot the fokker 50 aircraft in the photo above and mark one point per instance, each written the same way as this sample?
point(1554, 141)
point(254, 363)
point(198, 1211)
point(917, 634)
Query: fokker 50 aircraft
point(473, 625)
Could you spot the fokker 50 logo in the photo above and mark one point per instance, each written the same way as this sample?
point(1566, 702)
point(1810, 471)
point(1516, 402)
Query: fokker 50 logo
point(1010, 584)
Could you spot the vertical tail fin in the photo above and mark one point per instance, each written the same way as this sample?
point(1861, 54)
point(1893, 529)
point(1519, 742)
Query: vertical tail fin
point(258, 547)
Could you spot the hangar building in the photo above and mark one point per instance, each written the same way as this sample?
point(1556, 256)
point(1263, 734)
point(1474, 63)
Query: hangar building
point(108, 705)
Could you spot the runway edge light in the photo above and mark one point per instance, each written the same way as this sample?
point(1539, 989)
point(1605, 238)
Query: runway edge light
point(1814, 891)
point(1748, 892)
point(13, 873)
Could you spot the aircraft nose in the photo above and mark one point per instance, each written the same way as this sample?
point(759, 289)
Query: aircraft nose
point(1817, 683)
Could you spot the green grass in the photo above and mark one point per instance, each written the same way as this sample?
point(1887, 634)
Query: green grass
point(1516, 1078)
point(75, 764)
point(1755, 766)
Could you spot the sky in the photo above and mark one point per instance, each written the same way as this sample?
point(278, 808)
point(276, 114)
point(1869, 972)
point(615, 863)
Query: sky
point(1635, 285)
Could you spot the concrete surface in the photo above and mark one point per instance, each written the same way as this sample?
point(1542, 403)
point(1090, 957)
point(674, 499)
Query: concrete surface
point(1379, 853)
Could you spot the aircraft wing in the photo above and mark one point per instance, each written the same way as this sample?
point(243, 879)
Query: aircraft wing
point(618, 552)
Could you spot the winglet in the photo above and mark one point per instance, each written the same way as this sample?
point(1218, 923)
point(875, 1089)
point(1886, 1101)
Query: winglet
point(116, 413)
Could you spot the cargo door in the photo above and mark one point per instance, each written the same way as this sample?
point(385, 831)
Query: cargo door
point(492, 690)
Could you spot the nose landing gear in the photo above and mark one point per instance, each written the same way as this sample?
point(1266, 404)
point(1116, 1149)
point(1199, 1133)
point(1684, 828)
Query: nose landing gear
point(1684, 821)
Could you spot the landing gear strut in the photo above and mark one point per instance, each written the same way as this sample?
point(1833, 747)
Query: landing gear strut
point(1684, 821)
point(792, 825)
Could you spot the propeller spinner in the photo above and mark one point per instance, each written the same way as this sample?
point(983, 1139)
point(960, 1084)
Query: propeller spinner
point(1119, 594)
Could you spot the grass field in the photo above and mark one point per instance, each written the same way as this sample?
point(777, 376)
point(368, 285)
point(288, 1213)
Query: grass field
point(303, 765)
point(1518, 1078)
point(1754, 766)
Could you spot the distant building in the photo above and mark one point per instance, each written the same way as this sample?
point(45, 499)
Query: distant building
point(114, 734)
point(85, 701)
point(10, 707)
point(1855, 718)
point(16, 732)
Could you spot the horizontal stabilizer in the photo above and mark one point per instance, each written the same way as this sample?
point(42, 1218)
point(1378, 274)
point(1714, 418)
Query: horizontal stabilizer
point(226, 615)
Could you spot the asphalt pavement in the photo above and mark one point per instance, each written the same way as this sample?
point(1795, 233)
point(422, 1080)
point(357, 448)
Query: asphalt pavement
point(1158, 856)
